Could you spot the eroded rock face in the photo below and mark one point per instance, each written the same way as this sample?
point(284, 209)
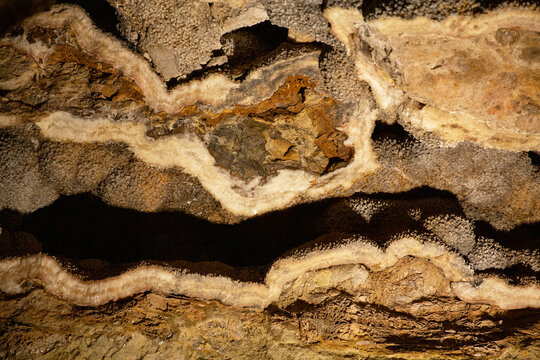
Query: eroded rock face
point(218, 183)
point(300, 117)
point(153, 326)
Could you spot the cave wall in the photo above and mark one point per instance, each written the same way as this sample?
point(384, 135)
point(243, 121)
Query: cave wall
point(270, 179)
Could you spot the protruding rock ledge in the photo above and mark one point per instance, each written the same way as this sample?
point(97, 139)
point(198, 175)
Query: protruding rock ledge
point(267, 141)
point(445, 270)
point(353, 298)
point(251, 107)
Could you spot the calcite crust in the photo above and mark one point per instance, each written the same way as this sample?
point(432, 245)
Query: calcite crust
point(233, 112)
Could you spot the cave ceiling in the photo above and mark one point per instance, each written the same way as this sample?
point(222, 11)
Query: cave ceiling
point(269, 179)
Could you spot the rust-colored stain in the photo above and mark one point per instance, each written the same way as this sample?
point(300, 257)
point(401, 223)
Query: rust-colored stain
point(64, 53)
point(288, 100)
point(112, 84)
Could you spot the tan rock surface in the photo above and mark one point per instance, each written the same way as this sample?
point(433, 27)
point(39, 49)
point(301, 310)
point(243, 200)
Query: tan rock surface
point(244, 179)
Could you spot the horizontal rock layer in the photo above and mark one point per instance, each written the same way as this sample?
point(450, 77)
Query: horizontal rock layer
point(215, 122)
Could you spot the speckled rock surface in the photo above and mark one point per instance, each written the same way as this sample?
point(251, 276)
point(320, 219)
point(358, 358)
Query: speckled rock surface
point(244, 179)
point(156, 327)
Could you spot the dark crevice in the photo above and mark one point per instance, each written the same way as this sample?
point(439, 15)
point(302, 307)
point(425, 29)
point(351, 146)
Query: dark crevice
point(423, 193)
point(525, 236)
point(521, 274)
point(249, 43)
point(83, 226)
point(535, 158)
point(103, 15)
point(334, 163)
point(192, 76)
point(393, 131)
point(242, 47)
point(80, 227)
point(12, 13)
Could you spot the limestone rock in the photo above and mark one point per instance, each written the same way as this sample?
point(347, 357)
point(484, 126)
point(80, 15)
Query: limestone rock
point(180, 37)
point(270, 180)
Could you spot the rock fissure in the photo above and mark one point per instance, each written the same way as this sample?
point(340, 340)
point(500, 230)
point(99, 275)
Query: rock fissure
point(269, 179)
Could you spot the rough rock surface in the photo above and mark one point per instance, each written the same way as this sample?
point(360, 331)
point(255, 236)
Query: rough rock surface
point(153, 326)
point(181, 36)
point(270, 179)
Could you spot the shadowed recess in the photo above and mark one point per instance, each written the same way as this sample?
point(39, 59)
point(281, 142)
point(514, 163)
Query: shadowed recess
point(84, 227)
point(12, 12)
point(242, 47)
point(102, 14)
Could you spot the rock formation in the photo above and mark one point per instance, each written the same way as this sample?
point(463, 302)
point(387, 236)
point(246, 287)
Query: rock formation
point(270, 179)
